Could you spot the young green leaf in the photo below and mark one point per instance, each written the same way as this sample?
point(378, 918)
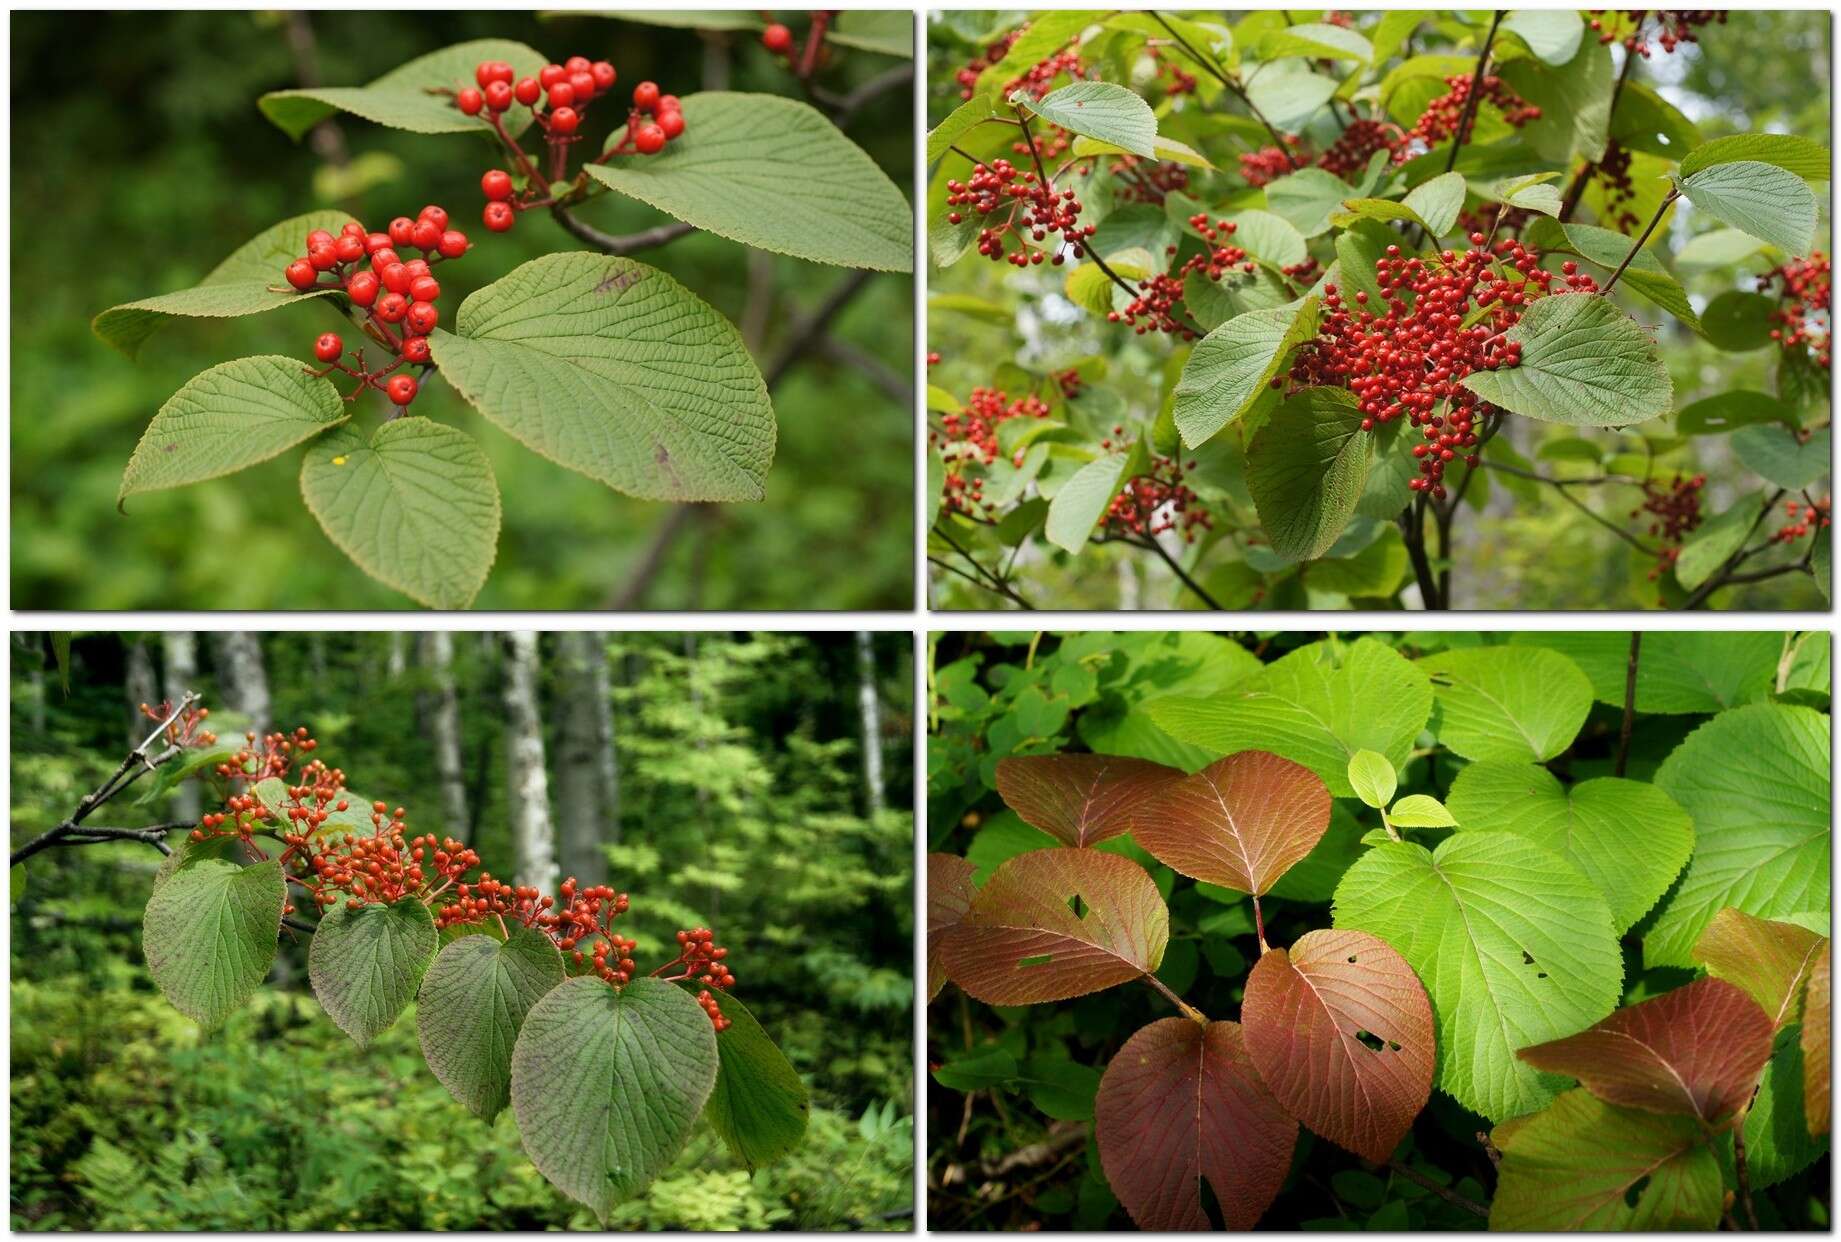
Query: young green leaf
point(949, 897)
point(1420, 811)
point(1306, 469)
point(1372, 778)
point(1081, 799)
point(1772, 204)
point(1240, 823)
point(408, 97)
point(209, 933)
point(1181, 1103)
point(1102, 110)
point(471, 1005)
point(775, 174)
point(1341, 1033)
point(366, 964)
point(1231, 366)
point(1508, 702)
point(615, 370)
point(1583, 362)
point(417, 508)
point(759, 1105)
point(1770, 960)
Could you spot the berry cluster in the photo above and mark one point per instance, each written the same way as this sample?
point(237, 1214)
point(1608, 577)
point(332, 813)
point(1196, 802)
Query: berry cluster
point(700, 957)
point(1038, 79)
point(1180, 82)
point(1409, 358)
point(1673, 27)
point(970, 436)
point(1148, 181)
point(1673, 509)
point(371, 272)
point(1443, 115)
point(1804, 307)
point(1804, 518)
point(1348, 156)
point(186, 729)
point(1268, 164)
point(1011, 202)
point(1156, 308)
point(1150, 504)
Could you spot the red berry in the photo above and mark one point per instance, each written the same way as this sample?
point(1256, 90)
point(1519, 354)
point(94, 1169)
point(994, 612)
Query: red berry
point(469, 101)
point(497, 71)
point(391, 307)
point(526, 91)
point(649, 139)
point(402, 229)
point(402, 389)
point(396, 278)
point(604, 75)
point(382, 259)
point(350, 228)
point(302, 274)
point(645, 96)
point(576, 64)
point(670, 103)
point(498, 96)
point(424, 289)
point(453, 244)
point(423, 317)
point(564, 120)
point(777, 39)
point(499, 216)
point(329, 347)
point(349, 249)
point(496, 184)
point(562, 95)
point(415, 348)
point(319, 237)
point(583, 82)
point(671, 122)
point(363, 287)
point(551, 75)
point(427, 234)
point(323, 257)
point(417, 267)
point(373, 242)
point(436, 216)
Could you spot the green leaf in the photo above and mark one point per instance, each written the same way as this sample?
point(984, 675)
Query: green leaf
point(1755, 781)
point(1287, 93)
point(1679, 672)
point(472, 1003)
point(1777, 1141)
point(401, 99)
point(1232, 366)
point(1551, 34)
point(1082, 501)
point(1306, 199)
point(977, 1071)
point(1648, 123)
point(1738, 321)
point(1377, 569)
point(1167, 149)
point(1645, 275)
point(1728, 411)
point(417, 508)
point(232, 416)
point(963, 119)
point(759, 1105)
point(1574, 99)
point(1269, 238)
point(1514, 945)
point(1372, 778)
point(209, 934)
point(249, 282)
point(1532, 193)
point(1780, 456)
point(1520, 703)
point(1627, 837)
point(888, 31)
point(1059, 1088)
point(606, 1085)
point(1770, 203)
point(1102, 110)
point(775, 174)
point(1807, 159)
point(1585, 1164)
point(1045, 34)
point(1316, 706)
point(1306, 469)
point(1717, 539)
point(1420, 811)
point(615, 370)
point(1717, 248)
point(365, 964)
point(1317, 41)
point(1583, 362)
point(1433, 205)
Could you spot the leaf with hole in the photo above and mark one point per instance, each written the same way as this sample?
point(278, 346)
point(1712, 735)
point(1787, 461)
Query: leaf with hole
point(1080, 799)
point(1507, 702)
point(1240, 823)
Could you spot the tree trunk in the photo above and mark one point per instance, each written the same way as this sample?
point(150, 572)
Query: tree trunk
point(604, 729)
point(398, 660)
point(869, 709)
point(241, 678)
point(435, 651)
point(143, 686)
point(179, 652)
point(533, 835)
point(579, 813)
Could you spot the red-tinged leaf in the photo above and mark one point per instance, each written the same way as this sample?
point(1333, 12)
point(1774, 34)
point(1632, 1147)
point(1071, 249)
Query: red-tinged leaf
point(1081, 799)
point(1179, 1103)
point(1697, 1051)
point(949, 896)
point(1815, 1039)
point(1241, 822)
point(1767, 958)
point(1051, 924)
point(1340, 1028)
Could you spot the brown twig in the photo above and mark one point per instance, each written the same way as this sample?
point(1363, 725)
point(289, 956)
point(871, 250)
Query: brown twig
point(1444, 1192)
point(1185, 1008)
point(608, 243)
point(1623, 734)
point(1238, 91)
point(1637, 246)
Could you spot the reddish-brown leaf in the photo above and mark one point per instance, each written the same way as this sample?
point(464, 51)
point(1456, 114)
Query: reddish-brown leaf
point(1341, 1030)
point(1051, 924)
point(1815, 1039)
point(1241, 822)
point(1179, 1103)
point(1697, 1050)
point(949, 896)
point(1081, 799)
point(1767, 958)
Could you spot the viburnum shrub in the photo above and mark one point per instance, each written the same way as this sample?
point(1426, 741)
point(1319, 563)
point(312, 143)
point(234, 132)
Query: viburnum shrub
point(1367, 272)
point(602, 364)
point(525, 998)
point(1493, 918)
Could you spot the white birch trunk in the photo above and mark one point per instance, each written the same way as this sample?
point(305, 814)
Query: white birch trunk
point(533, 834)
point(435, 651)
point(869, 710)
point(242, 678)
point(578, 769)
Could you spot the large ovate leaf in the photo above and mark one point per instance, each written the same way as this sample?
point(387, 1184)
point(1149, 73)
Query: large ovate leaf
point(1052, 924)
point(1770, 203)
point(366, 964)
point(615, 370)
point(1808, 159)
point(607, 1084)
point(961, 120)
point(233, 415)
point(471, 1005)
point(1515, 948)
point(1645, 273)
point(1080, 799)
point(1306, 469)
point(1240, 823)
point(1695, 1051)
point(1755, 781)
point(1082, 501)
point(775, 174)
point(249, 282)
point(1627, 837)
point(402, 98)
point(1583, 362)
point(949, 897)
point(1181, 1104)
point(1341, 1032)
point(1717, 540)
point(1770, 960)
point(1317, 706)
point(417, 507)
point(1102, 110)
point(1780, 455)
point(1815, 1043)
point(1731, 410)
point(209, 933)
point(1288, 93)
point(1585, 1164)
point(1551, 34)
point(1679, 672)
point(759, 1105)
point(1508, 702)
point(1229, 368)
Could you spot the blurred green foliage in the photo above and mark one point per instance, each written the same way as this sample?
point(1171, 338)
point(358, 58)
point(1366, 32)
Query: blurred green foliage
point(145, 185)
point(741, 809)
